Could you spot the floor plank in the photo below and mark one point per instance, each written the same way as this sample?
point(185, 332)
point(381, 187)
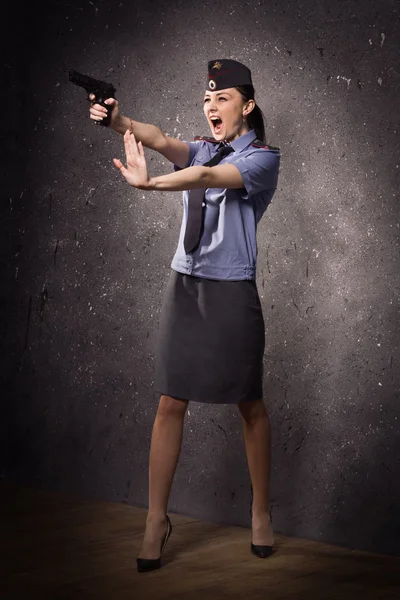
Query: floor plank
point(55, 546)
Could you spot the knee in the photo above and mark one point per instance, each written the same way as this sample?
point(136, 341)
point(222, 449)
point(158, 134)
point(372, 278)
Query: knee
point(253, 411)
point(171, 407)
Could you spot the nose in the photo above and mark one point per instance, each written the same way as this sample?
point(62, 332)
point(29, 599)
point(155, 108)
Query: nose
point(211, 107)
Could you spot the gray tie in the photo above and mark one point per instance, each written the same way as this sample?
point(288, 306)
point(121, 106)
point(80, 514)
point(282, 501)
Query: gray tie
point(195, 205)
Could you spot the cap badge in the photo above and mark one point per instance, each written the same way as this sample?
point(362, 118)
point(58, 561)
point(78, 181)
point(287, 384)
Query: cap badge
point(217, 65)
point(211, 84)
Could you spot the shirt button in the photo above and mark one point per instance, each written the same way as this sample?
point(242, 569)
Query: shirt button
point(203, 203)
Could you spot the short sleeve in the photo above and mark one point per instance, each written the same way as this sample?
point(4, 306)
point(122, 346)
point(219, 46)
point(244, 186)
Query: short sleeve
point(194, 147)
point(259, 170)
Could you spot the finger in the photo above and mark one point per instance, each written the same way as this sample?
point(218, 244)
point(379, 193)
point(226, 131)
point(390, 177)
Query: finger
point(140, 149)
point(97, 114)
point(120, 166)
point(129, 136)
point(134, 143)
point(130, 145)
point(128, 149)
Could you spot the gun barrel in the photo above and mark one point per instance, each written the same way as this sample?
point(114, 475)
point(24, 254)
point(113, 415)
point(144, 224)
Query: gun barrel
point(82, 80)
point(91, 84)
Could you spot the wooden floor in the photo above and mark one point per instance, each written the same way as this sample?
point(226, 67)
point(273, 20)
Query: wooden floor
point(55, 547)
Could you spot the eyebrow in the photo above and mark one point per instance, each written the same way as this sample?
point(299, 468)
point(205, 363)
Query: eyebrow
point(218, 94)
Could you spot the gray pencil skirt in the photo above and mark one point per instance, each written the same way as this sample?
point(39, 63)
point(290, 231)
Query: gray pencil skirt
point(211, 341)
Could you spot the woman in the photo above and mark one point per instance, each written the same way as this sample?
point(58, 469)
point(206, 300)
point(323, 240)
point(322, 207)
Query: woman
point(211, 338)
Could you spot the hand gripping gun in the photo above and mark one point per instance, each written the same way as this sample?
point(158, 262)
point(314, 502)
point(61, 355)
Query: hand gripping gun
point(100, 89)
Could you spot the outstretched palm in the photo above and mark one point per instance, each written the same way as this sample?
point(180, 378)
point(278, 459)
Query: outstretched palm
point(135, 171)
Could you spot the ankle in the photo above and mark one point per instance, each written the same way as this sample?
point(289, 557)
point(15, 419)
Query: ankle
point(156, 517)
point(260, 511)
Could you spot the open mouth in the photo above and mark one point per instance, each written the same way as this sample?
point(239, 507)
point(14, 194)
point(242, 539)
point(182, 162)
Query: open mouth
point(217, 124)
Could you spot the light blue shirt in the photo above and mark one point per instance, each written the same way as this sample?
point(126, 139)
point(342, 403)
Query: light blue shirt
point(228, 245)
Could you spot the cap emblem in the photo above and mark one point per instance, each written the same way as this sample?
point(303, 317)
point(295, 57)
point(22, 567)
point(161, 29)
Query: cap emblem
point(211, 84)
point(217, 65)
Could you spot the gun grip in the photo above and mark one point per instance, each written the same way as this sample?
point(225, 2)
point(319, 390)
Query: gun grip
point(107, 119)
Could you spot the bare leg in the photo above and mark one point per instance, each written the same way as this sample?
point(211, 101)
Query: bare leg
point(166, 441)
point(257, 437)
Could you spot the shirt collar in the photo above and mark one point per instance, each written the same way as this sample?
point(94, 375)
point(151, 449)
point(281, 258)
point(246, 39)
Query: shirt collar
point(243, 141)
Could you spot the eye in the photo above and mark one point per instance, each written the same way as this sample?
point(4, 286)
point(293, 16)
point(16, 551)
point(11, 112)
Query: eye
point(222, 98)
point(206, 100)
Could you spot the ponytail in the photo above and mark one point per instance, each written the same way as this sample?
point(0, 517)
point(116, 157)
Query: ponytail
point(255, 119)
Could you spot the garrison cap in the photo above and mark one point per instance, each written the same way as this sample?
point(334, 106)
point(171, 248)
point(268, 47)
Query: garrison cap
point(226, 73)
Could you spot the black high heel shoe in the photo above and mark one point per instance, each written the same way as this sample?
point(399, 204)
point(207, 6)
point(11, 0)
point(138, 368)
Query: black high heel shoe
point(258, 550)
point(261, 551)
point(150, 564)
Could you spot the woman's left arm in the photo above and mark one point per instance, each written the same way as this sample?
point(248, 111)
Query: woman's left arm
point(221, 176)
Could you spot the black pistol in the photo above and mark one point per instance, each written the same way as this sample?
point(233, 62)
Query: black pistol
point(100, 89)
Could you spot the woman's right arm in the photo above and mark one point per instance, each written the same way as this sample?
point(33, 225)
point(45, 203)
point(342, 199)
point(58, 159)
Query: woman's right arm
point(176, 151)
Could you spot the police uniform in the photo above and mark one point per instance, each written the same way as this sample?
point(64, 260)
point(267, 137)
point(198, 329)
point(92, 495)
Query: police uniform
point(211, 335)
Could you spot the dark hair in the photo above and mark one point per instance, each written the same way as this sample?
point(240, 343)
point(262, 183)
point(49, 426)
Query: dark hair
point(255, 119)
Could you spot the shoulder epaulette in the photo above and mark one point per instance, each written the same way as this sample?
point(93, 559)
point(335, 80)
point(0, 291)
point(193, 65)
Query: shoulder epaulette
point(206, 139)
point(260, 144)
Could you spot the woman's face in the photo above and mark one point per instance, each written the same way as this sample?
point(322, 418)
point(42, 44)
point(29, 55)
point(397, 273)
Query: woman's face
point(226, 112)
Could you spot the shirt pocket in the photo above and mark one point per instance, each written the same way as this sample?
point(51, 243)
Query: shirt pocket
point(200, 158)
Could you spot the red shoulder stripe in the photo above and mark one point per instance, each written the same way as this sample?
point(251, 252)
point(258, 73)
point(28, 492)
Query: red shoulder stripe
point(206, 139)
point(259, 144)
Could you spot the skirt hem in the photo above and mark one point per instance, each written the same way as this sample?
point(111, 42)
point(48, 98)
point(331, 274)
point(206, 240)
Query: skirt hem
point(216, 401)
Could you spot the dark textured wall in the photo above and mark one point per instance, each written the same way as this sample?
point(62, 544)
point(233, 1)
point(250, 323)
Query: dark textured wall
point(85, 258)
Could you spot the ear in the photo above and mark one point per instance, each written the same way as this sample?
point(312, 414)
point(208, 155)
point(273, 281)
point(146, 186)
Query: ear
point(248, 107)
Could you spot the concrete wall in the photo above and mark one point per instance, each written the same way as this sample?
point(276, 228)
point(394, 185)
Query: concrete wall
point(85, 258)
